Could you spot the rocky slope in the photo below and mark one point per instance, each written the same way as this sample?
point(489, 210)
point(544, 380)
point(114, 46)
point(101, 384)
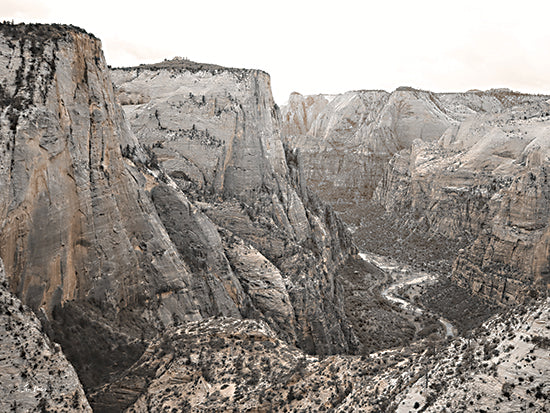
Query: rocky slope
point(240, 365)
point(505, 368)
point(35, 376)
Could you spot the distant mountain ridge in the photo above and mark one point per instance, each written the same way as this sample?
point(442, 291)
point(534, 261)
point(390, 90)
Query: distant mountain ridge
point(183, 64)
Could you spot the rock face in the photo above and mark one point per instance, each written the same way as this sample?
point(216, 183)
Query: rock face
point(216, 133)
point(75, 224)
point(80, 238)
point(345, 141)
point(111, 242)
point(191, 269)
point(35, 376)
point(466, 172)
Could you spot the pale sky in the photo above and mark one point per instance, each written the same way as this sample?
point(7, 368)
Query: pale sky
point(324, 46)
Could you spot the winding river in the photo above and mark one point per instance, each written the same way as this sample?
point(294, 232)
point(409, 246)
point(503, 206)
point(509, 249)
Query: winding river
point(404, 275)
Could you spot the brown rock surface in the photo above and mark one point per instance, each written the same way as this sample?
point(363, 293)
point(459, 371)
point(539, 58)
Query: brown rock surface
point(75, 224)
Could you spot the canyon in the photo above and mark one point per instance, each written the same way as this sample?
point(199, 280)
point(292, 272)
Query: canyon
point(453, 181)
point(172, 240)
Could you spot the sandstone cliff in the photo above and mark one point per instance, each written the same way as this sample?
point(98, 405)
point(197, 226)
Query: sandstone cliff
point(216, 133)
point(75, 223)
point(483, 187)
point(80, 239)
point(345, 141)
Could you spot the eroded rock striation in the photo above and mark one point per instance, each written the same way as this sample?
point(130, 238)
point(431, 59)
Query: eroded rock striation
point(346, 140)
point(81, 240)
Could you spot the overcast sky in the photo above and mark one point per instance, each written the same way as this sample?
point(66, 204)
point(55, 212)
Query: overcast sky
point(324, 46)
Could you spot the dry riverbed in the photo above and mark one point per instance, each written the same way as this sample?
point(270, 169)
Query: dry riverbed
point(407, 284)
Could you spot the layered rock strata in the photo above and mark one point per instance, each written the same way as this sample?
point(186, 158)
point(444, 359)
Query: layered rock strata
point(484, 186)
point(81, 241)
point(346, 140)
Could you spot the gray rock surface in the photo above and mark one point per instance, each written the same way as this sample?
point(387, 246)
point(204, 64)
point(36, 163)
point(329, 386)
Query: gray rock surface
point(143, 258)
point(346, 140)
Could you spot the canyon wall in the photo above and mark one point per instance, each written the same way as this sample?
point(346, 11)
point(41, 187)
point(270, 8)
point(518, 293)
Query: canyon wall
point(345, 141)
point(483, 186)
point(110, 240)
